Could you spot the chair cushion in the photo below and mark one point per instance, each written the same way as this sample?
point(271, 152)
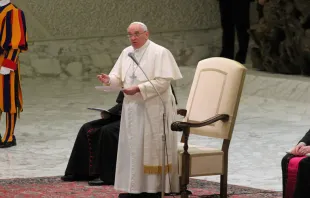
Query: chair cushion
point(203, 161)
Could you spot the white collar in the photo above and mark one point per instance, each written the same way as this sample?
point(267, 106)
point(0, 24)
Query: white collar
point(4, 2)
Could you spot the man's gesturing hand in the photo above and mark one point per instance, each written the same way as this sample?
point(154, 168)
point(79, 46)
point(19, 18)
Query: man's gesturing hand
point(104, 78)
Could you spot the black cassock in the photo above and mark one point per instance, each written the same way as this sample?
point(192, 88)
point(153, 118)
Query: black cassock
point(95, 149)
point(300, 188)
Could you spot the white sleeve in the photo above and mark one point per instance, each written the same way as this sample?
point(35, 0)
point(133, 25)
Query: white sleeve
point(147, 90)
point(116, 72)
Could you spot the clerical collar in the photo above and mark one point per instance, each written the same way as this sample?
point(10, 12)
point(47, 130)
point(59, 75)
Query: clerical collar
point(143, 46)
point(4, 2)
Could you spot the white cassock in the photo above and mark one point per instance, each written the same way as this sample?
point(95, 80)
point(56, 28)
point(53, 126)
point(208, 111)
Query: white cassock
point(139, 154)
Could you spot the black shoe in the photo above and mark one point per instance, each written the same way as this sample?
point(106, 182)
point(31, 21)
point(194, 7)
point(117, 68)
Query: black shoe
point(8, 144)
point(179, 193)
point(129, 195)
point(96, 182)
point(124, 195)
point(151, 195)
point(68, 178)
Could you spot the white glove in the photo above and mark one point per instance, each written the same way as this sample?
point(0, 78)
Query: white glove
point(5, 70)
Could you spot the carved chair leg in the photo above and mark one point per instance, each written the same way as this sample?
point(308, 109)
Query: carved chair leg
point(184, 194)
point(223, 188)
point(182, 185)
point(223, 184)
point(185, 165)
point(185, 175)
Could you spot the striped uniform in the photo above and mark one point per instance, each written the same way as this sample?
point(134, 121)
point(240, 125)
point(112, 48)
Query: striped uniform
point(13, 41)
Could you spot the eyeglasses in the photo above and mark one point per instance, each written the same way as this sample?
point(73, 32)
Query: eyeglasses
point(135, 34)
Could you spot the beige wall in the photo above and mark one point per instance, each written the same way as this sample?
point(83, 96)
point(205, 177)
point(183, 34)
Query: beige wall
point(63, 19)
point(76, 38)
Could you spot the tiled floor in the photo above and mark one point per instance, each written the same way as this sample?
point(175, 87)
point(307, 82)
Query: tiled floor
point(274, 114)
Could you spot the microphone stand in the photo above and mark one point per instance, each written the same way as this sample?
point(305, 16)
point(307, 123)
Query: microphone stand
point(163, 179)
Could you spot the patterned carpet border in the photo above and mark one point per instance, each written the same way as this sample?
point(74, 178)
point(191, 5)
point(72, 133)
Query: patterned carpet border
point(53, 187)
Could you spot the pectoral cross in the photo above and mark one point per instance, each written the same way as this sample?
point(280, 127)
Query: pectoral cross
point(133, 77)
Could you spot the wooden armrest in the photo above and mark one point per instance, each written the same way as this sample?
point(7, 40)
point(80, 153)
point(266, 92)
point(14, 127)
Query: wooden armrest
point(182, 112)
point(180, 126)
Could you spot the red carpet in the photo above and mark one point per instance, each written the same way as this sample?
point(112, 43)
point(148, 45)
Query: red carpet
point(54, 187)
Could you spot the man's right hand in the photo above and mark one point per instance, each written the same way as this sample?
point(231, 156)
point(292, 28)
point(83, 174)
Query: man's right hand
point(296, 149)
point(104, 78)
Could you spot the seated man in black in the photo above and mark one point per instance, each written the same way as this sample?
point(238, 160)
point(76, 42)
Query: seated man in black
point(296, 170)
point(93, 157)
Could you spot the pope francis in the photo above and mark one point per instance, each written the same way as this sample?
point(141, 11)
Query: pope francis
point(139, 158)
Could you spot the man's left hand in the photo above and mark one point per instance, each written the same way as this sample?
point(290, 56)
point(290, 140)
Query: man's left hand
point(131, 90)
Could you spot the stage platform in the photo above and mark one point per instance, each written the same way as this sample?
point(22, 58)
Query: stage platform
point(274, 114)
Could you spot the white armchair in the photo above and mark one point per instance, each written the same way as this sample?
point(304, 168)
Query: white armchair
point(211, 111)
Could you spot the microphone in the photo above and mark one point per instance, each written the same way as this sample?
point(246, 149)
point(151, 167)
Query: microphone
point(132, 56)
point(164, 144)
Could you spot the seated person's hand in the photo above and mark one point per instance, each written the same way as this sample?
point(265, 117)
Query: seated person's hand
point(297, 148)
point(104, 115)
point(304, 150)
